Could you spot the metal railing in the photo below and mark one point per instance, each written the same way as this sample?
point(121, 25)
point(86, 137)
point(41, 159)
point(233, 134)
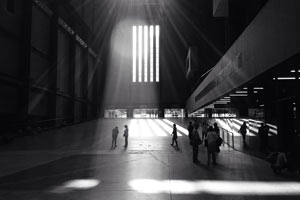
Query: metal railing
point(228, 137)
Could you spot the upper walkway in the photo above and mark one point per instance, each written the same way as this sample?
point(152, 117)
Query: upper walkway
point(77, 162)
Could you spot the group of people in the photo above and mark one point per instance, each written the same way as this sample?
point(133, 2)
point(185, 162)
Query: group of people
point(115, 133)
point(211, 138)
point(284, 160)
point(263, 131)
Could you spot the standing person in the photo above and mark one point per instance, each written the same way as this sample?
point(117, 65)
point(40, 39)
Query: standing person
point(263, 135)
point(243, 131)
point(174, 134)
point(260, 135)
point(115, 133)
point(212, 146)
point(196, 141)
point(190, 129)
point(266, 136)
point(126, 136)
point(216, 129)
point(204, 129)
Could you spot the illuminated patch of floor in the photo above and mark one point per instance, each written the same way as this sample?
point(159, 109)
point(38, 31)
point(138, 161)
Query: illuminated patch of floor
point(216, 187)
point(77, 184)
point(153, 128)
point(179, 128)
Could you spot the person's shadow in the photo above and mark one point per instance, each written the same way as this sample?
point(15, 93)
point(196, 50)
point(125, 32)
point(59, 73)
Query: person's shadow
point(176, 148)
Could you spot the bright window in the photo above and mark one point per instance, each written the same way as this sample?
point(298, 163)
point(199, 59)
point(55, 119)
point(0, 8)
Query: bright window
point(145, 53)
point(134, 54)
point(157, 52)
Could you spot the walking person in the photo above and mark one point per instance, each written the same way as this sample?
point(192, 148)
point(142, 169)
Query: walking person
point(196, 141)
point(115, 133)
point(126, 136)
point(212, 146)
point(174, 136)
point(243, 131)
point(190, 130)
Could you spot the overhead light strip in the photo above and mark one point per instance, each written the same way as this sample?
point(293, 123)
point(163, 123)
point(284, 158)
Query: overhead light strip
point(238, 95)
point(285, 78)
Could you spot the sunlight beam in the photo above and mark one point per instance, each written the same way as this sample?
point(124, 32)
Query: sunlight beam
point(166, 127)
point(145, 129)
point(180, 128)
point(157, 130)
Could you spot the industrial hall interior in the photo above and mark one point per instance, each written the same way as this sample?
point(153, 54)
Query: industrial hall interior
point(149, 99)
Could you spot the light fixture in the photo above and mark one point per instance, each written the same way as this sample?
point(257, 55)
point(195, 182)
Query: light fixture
point(286, 78)
point(238, 95)
point(220, 102)
point(241, 92)
point(228, 100)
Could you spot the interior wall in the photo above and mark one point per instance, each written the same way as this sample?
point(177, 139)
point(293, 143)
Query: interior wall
point(11, 34)
point(45, 73)
point(275, 31)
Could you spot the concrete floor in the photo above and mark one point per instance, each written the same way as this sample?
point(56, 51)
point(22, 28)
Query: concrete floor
point(78, 163)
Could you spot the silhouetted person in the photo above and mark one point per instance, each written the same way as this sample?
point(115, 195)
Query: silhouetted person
point(216, 129)
point(204, 129)
point(260, 135)
point(190, 130)
point(196, 141)
point(243, 131)
point(126, 136)
point(212, 146)
point(174, 135)
point(115, 133)
point(263, 135)
point(266, 136)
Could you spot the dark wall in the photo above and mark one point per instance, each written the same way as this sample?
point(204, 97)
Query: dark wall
point(11, 37)
point(191, 23)
point(49, 70)
point(241, 13)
